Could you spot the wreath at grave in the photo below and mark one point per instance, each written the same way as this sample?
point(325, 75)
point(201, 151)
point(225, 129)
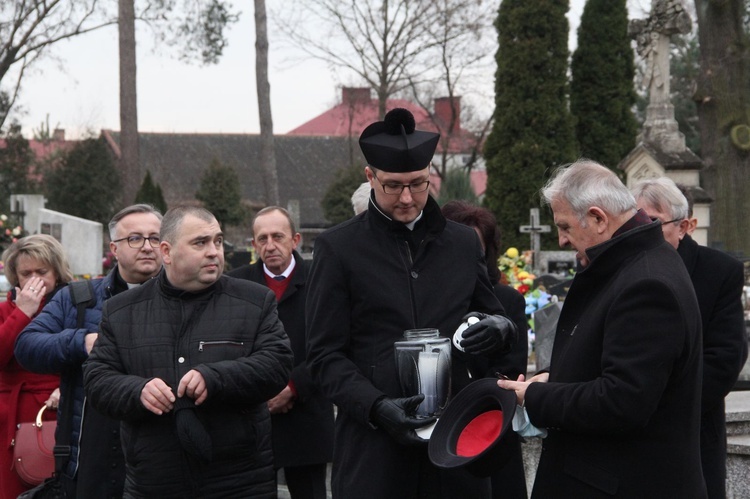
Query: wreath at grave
point(741, 137)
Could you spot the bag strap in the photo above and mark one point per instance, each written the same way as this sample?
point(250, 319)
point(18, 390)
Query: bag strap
point(82, 295)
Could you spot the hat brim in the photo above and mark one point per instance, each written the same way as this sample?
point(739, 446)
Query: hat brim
point(468, 407)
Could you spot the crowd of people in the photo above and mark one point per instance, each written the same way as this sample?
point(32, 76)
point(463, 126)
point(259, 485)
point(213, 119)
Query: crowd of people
point(173, 379)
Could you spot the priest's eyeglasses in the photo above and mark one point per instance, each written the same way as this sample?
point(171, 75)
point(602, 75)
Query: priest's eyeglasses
point(137, 241)
point(395, 189)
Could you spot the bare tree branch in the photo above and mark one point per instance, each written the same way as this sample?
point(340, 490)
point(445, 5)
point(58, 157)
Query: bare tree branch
point(384, 42)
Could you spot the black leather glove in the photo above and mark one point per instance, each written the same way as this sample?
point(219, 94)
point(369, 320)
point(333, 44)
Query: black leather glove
point(492, 334)
point(396, 416)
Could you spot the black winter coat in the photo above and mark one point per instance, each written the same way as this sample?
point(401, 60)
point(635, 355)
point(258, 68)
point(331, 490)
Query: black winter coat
point(231, 334)
point(304, 435)
point(370, 280)
point(622, 404)
point(718, 279)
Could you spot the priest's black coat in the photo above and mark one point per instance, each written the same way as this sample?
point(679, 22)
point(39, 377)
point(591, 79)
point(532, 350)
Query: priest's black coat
point(371, 279)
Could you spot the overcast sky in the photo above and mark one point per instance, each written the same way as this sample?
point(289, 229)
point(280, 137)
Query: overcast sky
point(78, 88)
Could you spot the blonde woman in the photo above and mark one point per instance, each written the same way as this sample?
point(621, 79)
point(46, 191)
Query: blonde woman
point(36, 266)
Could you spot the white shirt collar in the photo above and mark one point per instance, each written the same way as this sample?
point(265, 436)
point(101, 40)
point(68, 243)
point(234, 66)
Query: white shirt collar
point(286, 273)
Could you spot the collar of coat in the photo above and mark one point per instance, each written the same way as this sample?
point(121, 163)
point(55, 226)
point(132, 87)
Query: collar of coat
point(688, 250)
point(169, 290)
point(609, 255)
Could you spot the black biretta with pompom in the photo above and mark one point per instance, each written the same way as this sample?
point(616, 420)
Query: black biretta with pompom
point(393, 145)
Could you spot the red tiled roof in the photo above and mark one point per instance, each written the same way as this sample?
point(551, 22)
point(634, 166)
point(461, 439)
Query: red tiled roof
point(358, 109)
point(42, 149)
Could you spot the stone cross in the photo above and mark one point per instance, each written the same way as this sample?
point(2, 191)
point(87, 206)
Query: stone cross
point(534, 229)
point(668, 17)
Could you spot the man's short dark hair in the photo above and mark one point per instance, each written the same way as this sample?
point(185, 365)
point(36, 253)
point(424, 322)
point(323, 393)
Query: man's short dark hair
point(170, 225)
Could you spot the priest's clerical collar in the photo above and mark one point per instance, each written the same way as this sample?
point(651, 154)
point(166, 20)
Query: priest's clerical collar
point(411, 224)
point(285, 274)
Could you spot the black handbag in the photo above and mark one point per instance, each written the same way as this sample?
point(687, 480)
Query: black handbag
point(51, 488)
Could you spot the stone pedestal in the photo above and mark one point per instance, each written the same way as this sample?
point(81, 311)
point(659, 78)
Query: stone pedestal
point(738, 445)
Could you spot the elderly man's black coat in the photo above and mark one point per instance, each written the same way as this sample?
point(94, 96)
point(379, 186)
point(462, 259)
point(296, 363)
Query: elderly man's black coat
point(304, 435)
point(371, 279)
point(718, 279)
point(622, 404)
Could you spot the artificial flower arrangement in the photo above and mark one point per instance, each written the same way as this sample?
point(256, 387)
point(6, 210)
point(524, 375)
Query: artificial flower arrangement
point(513, 265)
point(8, 233)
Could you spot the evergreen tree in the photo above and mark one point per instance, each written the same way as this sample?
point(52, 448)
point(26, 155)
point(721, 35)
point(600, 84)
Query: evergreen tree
point(337, 201)
point(532, 131)
point(219, 191)
point(602, 94)
point(16, 160)
point(150, 193)
point(456, 185)
point(86, 184)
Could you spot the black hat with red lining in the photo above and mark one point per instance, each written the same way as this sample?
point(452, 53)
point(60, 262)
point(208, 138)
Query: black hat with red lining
point(471, 429)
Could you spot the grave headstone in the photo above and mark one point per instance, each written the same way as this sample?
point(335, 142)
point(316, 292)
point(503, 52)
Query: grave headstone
point(545, 324)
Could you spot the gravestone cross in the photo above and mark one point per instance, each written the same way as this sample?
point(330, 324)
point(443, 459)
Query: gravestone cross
point(667, 17)
point(534, 230)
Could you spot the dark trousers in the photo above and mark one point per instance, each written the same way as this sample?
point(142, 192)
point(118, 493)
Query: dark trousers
point(306, 482)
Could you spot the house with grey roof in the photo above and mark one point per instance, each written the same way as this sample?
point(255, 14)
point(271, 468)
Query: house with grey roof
point(306, 167)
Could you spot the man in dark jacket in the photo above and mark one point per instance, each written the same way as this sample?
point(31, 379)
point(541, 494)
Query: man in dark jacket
point(399, 265)
point(187, 362)
point(718, 279)
point(54, 343)
point(301, 418)
point(622, 402)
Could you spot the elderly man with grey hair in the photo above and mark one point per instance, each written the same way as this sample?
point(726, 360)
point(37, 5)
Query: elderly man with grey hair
point(621, 398)
point(718, 279)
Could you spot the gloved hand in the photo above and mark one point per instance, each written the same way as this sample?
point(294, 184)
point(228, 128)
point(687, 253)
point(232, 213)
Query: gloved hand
point(396, 416)
point(492, 334)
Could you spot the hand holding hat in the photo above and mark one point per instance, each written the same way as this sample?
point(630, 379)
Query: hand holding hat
point(493, 333)
point(396, 416)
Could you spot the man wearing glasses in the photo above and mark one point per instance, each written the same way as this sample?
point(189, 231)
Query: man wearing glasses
point(53, 343)
point(398, 265)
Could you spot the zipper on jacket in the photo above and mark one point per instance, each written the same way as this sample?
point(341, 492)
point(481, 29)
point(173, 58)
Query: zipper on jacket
point(201, 344)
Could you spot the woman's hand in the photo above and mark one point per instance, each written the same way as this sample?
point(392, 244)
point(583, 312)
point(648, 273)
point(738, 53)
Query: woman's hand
point(32, 294)
point(54, 399)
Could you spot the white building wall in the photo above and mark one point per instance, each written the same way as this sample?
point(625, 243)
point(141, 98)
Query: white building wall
point(81, 238)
